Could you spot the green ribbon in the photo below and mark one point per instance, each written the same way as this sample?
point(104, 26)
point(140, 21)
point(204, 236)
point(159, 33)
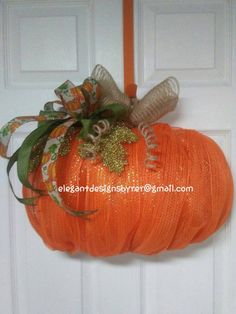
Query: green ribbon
point(112, 112)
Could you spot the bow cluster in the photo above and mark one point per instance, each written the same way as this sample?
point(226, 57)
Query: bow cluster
point(95, 108)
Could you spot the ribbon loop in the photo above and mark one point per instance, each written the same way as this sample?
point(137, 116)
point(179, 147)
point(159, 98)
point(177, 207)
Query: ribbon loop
point(157, 102)
point(79, 99)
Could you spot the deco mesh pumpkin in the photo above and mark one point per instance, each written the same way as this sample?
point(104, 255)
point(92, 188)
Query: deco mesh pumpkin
point(101, 137)
point(145, 223)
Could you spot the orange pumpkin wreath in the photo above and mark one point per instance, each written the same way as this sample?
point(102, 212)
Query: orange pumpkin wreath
point(100, 176)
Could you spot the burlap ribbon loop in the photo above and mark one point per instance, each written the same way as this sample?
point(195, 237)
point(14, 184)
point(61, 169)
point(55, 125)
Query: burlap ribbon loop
point(160, 100)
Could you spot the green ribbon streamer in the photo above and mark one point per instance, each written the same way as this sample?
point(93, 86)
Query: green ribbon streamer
point(12, 160)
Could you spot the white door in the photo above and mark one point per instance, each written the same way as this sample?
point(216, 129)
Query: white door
point(42, 44)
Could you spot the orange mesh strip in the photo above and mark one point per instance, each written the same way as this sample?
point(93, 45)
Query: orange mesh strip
point(128, 38)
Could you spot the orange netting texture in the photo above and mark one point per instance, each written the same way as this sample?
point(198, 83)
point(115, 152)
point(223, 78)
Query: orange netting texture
point(145, 223)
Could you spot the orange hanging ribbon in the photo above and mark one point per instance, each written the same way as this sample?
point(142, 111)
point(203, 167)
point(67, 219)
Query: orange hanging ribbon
point(128, 41)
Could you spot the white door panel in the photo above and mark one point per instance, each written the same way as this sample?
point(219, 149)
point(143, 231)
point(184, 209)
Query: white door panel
point(192, 40)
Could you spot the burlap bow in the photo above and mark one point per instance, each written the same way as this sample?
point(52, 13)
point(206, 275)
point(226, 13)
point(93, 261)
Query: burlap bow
point(157, 102)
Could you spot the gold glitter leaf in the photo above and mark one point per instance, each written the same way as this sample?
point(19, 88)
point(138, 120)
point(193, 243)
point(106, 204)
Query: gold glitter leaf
point(110, 148)
point(113, 153)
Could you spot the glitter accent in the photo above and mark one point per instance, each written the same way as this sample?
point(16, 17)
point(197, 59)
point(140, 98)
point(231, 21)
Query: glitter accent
point(36, 154)
point(113, 153)
point(66, 144)
point(110, 148)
